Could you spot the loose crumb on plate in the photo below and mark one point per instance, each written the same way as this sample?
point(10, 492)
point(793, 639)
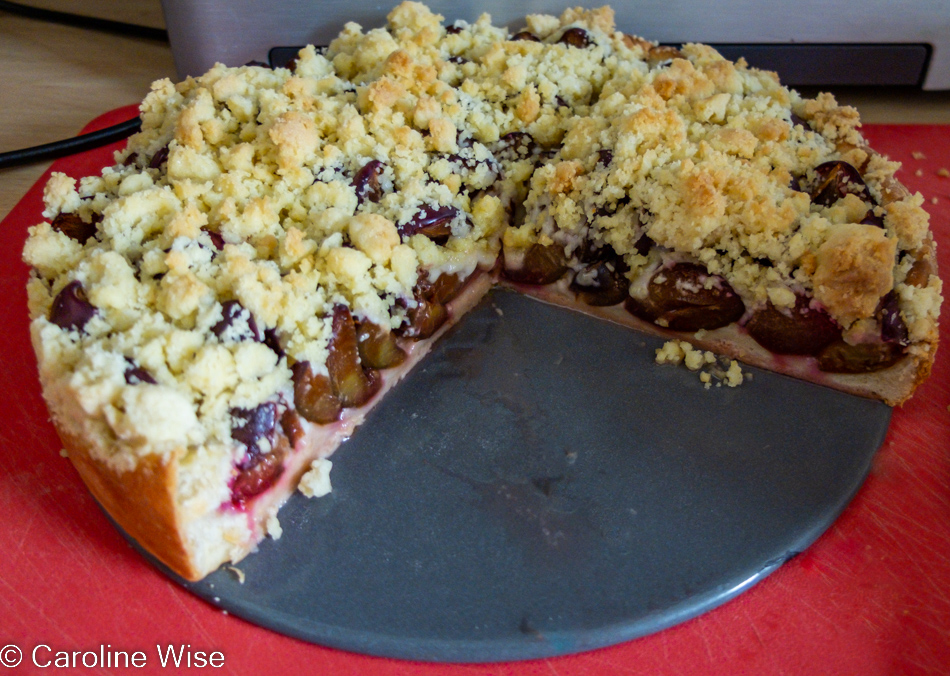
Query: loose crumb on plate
point(316, 482)
point(238, 573)
point(721, 369)
point(273, 527)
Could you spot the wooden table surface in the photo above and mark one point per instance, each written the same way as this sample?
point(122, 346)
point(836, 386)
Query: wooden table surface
point(55, 78)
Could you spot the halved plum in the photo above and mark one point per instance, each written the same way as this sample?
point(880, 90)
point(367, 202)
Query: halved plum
point(366, 182)
point(135, 374)
point(602, 281)
point(430, 311)
point(542, 264)
point(314, 397)
point(837, 179)
point(424, 319)
point(258, 471)
point(575, 37)
point(71, 308)
point(525, 35)
point(446, 287)
point(805, 329)
point(870, 218)
point(351, 383)
point(378, 347)
point(252, 425)
point(432, 220)
point(217, 240)
point(919, 274)
point(231, 311)
point(159, 158)
point(74, 227)
point(893, 328)
point(840, 357)
point(292, 427)
point(685, 297)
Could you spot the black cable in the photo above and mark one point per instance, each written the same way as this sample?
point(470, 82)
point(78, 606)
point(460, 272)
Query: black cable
point(76, 144)
point(95, 139)
point(80, 21)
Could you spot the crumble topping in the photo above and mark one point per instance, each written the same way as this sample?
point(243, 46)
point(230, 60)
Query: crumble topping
point(854, 270)
point(255, 201)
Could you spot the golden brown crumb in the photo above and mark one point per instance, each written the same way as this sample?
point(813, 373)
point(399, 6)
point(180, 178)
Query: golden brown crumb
point(681, 351)
point(854, 270)
point(672, 352)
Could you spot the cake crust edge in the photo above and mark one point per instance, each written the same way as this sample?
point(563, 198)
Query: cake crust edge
point(141, 500)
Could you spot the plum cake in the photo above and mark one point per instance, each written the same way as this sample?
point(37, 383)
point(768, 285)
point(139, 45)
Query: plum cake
point(215, 312)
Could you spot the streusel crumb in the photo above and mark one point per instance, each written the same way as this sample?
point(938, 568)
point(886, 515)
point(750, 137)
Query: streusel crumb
point(683, 352)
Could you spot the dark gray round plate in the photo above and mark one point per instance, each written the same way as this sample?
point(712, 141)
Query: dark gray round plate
point(539, 486)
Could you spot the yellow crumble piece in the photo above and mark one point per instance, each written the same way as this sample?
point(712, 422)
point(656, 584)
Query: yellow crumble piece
point(681, 351)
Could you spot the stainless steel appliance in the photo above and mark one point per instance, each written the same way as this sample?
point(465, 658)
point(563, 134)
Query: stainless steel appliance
point(809, 42)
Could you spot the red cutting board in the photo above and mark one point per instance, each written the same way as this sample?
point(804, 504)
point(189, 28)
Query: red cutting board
point(871, 596)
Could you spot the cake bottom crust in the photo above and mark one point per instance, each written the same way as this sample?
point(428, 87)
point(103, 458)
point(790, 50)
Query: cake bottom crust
point(893, 385)
point(141, 501)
